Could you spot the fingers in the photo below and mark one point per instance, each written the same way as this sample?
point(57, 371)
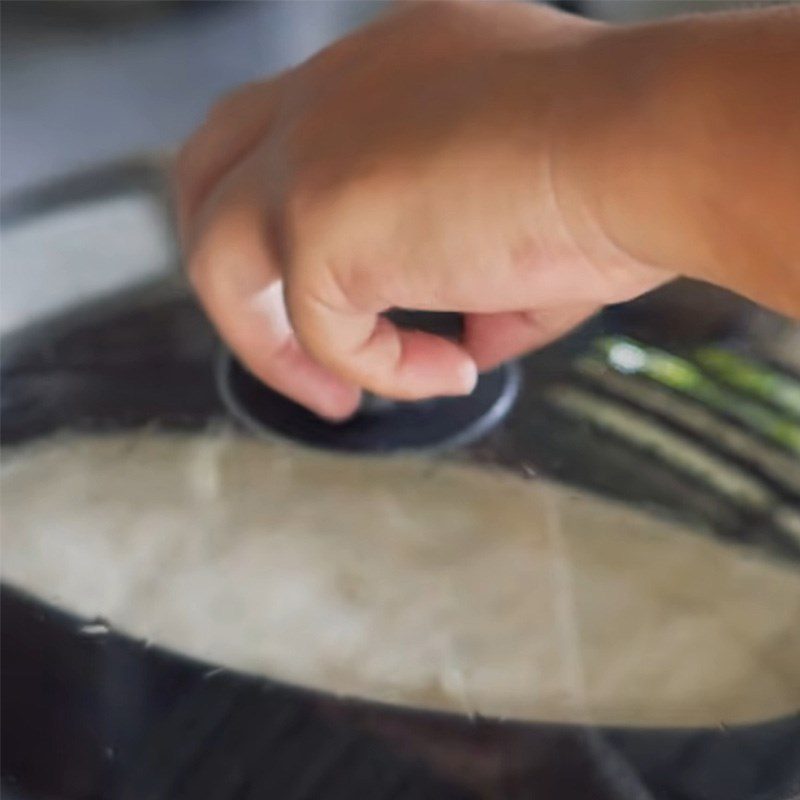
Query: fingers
point(373, 353)
point(269, 348)
point(233, 127)
point(234, 270)
point(493, 338)
point(237, 280)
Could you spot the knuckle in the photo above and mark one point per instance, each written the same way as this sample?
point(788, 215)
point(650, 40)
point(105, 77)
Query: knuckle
point(302, 221)
point(303, 202)
point(309, 312)
point(301, 292)
point(316, 212)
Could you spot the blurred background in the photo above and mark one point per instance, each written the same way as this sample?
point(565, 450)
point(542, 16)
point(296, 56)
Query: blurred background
point(85, 81)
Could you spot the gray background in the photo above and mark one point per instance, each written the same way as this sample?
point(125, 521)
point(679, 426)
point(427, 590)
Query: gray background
point(83, 82)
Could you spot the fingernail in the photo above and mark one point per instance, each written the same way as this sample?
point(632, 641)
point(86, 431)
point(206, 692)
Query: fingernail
point(335, 417)
point(467, 377)
point(338, 412)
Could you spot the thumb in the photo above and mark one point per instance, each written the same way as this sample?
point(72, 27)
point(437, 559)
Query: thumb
point(360, 345)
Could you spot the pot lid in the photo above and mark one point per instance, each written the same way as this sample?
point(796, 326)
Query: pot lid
point(611, 567)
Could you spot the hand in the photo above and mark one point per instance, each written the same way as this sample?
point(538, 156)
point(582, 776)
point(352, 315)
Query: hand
point(425, 163)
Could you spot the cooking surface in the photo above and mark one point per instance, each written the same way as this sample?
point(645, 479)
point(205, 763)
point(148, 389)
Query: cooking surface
point(602, 411)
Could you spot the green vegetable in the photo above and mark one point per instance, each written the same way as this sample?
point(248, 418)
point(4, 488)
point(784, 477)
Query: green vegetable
point(749, 376)
point(628, 356)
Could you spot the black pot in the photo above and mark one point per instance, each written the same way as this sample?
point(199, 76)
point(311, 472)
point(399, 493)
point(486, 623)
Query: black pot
point(111, 717)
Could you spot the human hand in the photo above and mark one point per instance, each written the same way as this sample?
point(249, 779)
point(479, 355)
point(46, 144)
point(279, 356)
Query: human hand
point(424, 162)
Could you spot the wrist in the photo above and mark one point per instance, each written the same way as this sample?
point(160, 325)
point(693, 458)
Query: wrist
point(671, 166)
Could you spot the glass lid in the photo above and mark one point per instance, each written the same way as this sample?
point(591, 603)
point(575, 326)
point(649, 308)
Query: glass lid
point(585, 582)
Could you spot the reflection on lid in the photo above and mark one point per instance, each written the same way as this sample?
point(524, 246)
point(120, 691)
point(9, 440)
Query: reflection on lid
point(733, 428)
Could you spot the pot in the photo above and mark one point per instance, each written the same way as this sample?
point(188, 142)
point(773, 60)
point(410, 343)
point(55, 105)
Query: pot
point(619, 421)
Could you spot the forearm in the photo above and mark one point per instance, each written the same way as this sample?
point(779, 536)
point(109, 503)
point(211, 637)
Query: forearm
point(697, 167)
